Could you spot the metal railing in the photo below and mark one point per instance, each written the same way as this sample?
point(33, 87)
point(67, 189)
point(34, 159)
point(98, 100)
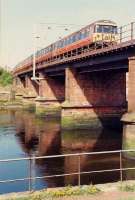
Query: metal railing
point(32, 160)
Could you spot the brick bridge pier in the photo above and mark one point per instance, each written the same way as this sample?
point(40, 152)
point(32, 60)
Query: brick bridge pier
point(84, 90)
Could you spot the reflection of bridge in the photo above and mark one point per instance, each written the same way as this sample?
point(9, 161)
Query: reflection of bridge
point(85, 83)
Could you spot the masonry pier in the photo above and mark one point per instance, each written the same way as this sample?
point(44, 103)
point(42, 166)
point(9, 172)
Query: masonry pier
point(51, 94)
point(129, 118)
point(92, 99)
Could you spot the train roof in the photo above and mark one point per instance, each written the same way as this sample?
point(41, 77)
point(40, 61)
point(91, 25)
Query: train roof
point(105, 22)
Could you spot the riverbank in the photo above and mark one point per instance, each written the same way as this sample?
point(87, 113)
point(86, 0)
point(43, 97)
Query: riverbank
point(109, 191)
point(7, 98)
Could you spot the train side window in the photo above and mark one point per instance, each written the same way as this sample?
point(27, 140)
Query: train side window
point(73, 38)
point(68, 40)
point(79, 35)
point(82, 34)
point(62, 43)
point(65, 42)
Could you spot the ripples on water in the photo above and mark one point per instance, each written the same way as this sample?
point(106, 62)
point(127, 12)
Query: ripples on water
point(23, 135)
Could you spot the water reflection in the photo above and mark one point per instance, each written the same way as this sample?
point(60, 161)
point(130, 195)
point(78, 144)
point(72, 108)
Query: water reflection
point(92, 141)
point(40, 137)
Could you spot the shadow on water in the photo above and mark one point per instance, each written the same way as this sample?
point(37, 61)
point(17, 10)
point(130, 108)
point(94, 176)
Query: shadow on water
point(92, 141)
point(23, 135)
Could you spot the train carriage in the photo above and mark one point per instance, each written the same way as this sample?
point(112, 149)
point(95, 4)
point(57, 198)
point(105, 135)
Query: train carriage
point(99, 33)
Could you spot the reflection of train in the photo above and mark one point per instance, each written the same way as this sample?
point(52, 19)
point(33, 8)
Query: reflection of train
point(98, 33)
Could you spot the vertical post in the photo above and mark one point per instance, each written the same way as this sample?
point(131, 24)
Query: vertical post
point(30, 174)
point(33, 173)
point(120, 34)
point(35, 37)
point(102, 38)
point(132, 30)
point(79, 166)
point(34, 50)
point(121, 178)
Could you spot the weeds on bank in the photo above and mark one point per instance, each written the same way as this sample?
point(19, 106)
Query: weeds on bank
point(127, 188)
point(63, 192)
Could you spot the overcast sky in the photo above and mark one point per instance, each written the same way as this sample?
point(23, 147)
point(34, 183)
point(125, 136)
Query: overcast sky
point(19, 16)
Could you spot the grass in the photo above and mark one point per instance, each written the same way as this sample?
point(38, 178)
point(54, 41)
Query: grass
point(127, 188)
point(57, 193)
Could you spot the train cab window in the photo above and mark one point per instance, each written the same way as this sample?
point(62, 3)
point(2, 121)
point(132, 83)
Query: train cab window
point(106, 29)
point(98, 29)
point(114, 29)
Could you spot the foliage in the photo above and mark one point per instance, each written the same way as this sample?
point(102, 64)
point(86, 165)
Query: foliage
point(5, 77)
point(62, 192)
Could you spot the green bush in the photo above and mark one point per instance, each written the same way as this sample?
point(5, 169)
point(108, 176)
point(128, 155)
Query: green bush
point(5, 77)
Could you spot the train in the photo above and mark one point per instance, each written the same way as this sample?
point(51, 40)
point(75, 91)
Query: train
point(101, 32)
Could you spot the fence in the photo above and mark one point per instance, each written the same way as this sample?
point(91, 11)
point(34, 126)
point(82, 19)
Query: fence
point(32, 178)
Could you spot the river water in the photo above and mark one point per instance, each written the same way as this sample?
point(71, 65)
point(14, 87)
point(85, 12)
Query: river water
point(23, 135)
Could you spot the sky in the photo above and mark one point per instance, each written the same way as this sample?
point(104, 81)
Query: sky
point(22, 20)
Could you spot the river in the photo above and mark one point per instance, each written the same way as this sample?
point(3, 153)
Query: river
point(23, 135)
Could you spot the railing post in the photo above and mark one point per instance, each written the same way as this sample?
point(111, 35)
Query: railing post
point(121, 174)
point(33, 173)
point(29, 174)
point(132, 30)
point(120, 34)
point(102, 41)
point(79, 170)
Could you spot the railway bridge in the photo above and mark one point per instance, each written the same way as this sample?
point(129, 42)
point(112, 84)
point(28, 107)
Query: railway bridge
point(87, 87)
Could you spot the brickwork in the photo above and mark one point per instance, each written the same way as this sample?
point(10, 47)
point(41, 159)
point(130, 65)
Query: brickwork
point(52, 93)
point(31, 86)
point(96, 89)
point(91, 98)
point(131, 85)
point(52, 88)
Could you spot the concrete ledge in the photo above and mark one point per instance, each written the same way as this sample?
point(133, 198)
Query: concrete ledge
point(45, 99)
point(29, 96)
point(18, 94)
point(84, 117)
point(129, 117)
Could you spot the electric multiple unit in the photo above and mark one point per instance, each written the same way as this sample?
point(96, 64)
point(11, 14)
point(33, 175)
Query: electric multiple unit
point(99, 33)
